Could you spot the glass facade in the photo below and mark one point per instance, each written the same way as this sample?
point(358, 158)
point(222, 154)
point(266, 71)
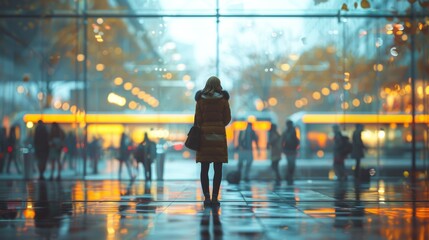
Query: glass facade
point(100, 68)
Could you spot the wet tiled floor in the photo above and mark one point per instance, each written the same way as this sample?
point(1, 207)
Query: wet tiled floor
point(110, 209)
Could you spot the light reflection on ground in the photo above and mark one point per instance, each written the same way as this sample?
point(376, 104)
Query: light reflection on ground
point(110, 209)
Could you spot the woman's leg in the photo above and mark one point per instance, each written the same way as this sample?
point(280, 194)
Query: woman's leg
point(216, 180)
point(275, 167)
point(204, 176)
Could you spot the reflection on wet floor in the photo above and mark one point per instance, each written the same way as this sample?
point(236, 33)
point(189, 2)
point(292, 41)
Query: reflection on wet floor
point(113, 209)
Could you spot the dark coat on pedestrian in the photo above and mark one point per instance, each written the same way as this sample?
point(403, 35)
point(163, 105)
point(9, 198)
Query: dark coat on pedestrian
point(41, 141)
point(358, 145)
point(212, 115)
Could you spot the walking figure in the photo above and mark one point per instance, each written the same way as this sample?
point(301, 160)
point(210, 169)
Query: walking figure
point(125, 149)
point(358, 148)
point(41, 147)
point(246, 138)
point(146, 154)
point(290, 144)
point(339, 154)
point(56, 144)
point(275, 146)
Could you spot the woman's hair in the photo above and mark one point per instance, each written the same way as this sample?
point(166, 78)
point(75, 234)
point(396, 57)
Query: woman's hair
point(212, 86)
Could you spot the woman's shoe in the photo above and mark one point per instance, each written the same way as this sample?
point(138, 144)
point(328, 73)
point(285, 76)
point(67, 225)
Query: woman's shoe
point(207, 203)
point(215, 203)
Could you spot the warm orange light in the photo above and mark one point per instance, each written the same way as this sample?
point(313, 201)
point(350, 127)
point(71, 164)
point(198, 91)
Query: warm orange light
point(112, 118)
point(362, 118)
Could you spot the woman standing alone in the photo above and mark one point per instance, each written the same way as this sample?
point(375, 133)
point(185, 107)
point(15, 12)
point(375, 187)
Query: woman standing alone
point(212, 114)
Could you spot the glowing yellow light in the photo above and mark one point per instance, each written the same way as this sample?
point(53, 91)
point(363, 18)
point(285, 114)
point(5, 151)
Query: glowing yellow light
point(141, 95)
point(99, 67)
point(73, 109)
point(293, 57)
point(393, 125)
point(132, 105)
point(128, 86)
point(409, 138)
point(30, 124)
point(251, 118)
point(135, 91)
point(259, 104)
point(116, 99)
point(66, 106)
point(186, 78)
point(100, 20)
point(345, 105)
point(380, 67)
point(316, 95)
point(298, 104)
point(272, 101)
point(335, 86)
point(304, 101)
point(186, 154)
point(57, 104)
point(404, 37)
point(389, 32)
point(406, 174)
point(285, 67)
point(325, 91)
point(80, 57)
point(20, 89)
point(420, 108)
point(367, 99)
point(168, 75)
point(320, 153)
point(381, 134)
point(118, 81)
point(427, 90)
point(347, 86)
point(356, 102)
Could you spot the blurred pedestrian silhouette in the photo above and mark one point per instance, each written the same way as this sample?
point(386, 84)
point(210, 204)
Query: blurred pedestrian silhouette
point(12, 147)
point(246, 138)
point(274, 144)
point(339, 154)
point(290, 144)
point(41, 147)
point(3, 148)
point(125, 149)
point(56, 144)
point(358, 149)
point(212, 115)
point(71, 150)
point(161, 149)
point(95, 150)
point(146, 153)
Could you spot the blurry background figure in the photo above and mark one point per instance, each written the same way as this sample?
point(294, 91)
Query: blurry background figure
point(125, 149)
point(246, 138)
point(12, 151)
point(146, 154)
point(358, 148)
point(3, 148)
point(339, 156)
point(41, 147)
point(274, 144)
point(161, 149)
point(95, 151)
point(290, 144)
point(56, 144)
point(70, 152)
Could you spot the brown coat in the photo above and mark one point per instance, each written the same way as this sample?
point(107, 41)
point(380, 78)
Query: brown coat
point(212, 114)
